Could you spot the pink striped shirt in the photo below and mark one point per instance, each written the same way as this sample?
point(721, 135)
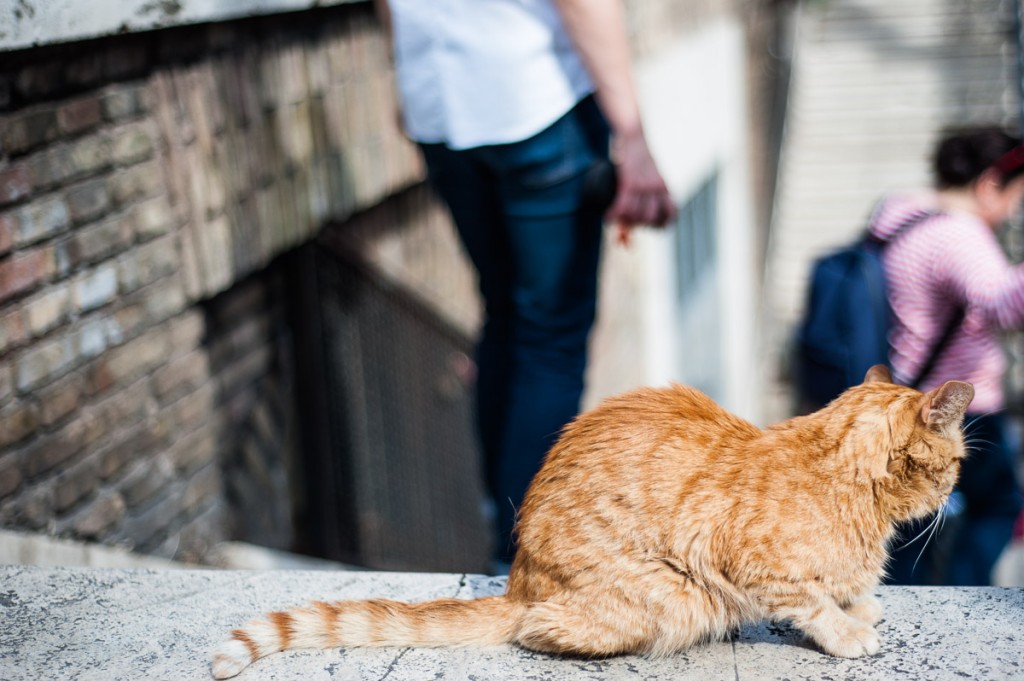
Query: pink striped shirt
point(948, 260)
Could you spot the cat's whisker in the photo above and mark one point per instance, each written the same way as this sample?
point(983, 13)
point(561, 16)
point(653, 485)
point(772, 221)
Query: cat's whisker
point(933, 526)
point(974, 418)
point(970, 438)
point(971, 432)
point(921, 533)
point(973, 442)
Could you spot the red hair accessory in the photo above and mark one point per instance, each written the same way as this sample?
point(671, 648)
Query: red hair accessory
point(1010, 162)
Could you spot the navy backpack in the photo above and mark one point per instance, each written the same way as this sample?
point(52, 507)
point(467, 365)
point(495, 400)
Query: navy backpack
point(845, 328)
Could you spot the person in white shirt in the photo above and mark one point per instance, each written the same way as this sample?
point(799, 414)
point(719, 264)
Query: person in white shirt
point(527, 117)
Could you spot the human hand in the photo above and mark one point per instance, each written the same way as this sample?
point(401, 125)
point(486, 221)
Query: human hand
point(642, 197)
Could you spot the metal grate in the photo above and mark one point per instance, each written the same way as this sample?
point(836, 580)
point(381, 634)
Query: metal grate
point(392, 467)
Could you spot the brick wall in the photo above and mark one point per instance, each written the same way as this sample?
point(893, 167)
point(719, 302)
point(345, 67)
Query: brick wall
point(141, 178)
point(249, 359)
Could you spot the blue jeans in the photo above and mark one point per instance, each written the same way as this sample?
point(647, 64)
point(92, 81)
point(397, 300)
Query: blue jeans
point(522, 216)
point(965, 550)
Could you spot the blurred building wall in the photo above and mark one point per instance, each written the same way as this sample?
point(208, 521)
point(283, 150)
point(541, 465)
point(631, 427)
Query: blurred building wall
point(681, 304)
point(874, 82)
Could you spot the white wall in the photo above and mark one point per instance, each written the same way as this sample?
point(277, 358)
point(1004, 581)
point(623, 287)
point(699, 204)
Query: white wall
point(693, 101)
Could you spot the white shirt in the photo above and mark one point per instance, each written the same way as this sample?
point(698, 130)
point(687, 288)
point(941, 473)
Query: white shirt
point(476, 72)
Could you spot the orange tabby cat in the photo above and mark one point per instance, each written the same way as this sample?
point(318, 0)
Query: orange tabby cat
point(659, 520)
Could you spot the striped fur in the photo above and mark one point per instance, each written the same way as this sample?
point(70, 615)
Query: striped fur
point(659, 521)
point(379, 622)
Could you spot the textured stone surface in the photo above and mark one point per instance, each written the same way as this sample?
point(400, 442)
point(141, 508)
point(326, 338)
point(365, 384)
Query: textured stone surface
point(34, 22)
point(131, 624)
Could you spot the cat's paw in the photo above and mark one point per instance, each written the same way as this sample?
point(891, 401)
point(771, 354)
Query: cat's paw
point(856, 639)
point(866, 609)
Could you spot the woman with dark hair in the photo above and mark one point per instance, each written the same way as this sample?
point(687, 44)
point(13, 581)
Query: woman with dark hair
point(948, 271)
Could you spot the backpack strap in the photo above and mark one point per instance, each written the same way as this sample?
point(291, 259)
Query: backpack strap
point(933, 357)
point(954, 321)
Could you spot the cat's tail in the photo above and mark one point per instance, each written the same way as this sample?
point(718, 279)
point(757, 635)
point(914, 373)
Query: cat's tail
point(484, 621)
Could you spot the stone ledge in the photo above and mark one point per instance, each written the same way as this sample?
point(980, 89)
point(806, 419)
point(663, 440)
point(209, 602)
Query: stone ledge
point(24, 548)
point(161, 624)
point(43, 22)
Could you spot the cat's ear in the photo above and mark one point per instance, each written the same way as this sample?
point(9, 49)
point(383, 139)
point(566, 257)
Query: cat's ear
point(947, 404)
point(878, 374)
